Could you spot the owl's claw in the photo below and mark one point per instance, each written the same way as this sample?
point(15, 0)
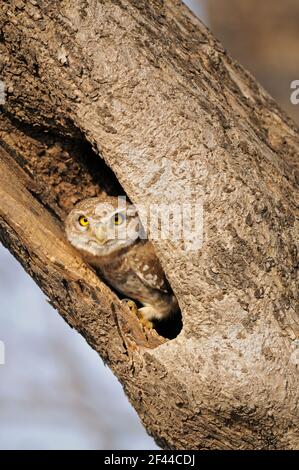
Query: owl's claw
point(134, 309)
point(148, 324)
point(131, 305)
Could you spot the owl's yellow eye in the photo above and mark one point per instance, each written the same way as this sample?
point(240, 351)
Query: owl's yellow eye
point(83, 221)
point(118, 218)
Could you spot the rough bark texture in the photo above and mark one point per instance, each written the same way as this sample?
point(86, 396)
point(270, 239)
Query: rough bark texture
point(140, 81)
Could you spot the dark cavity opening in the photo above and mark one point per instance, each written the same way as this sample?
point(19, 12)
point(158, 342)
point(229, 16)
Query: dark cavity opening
point(63, 171)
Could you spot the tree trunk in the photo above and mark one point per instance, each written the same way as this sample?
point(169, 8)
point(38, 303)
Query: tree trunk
point(144, 81)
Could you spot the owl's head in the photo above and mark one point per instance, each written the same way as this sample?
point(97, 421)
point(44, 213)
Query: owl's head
point(102, 226)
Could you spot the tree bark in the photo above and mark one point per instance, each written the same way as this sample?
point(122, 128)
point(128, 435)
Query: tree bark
point(142, 81)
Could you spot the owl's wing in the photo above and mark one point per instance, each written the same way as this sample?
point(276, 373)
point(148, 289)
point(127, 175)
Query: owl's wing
point(149, 270)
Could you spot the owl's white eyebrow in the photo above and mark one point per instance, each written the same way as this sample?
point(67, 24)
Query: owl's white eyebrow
point(101, 208)
point(105, 217)
point(119, 211)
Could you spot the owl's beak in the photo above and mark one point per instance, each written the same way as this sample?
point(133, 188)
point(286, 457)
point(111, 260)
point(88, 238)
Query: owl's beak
point(101, 234)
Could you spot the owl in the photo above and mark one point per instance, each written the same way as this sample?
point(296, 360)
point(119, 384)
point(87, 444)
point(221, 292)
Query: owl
point(109, 234)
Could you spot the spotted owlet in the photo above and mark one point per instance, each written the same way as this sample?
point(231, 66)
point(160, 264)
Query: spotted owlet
point(109, 237)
